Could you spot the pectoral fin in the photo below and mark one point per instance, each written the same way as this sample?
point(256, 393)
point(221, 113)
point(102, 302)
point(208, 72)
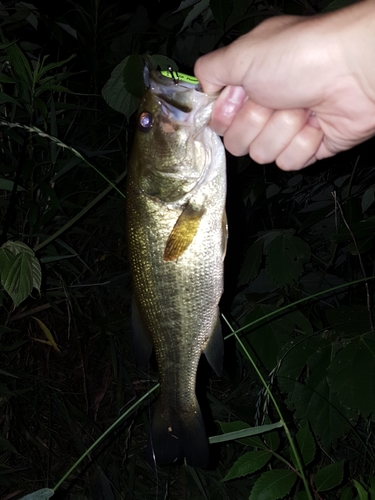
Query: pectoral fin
point(214, 349)
point(141, 338)
point(183, 232)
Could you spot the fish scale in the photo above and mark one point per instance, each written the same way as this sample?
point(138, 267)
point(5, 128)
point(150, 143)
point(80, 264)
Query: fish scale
point(176, 227)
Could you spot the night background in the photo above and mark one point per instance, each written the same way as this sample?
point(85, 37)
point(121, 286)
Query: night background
point(300, 247)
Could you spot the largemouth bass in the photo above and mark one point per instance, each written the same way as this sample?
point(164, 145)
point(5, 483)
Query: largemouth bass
point(177, 232)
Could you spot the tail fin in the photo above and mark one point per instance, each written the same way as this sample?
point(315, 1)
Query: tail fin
point(177, 435)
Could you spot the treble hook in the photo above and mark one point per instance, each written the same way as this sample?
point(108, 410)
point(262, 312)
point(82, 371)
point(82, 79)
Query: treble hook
point(176, 79)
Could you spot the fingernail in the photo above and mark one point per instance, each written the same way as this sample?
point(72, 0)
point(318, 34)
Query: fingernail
point(232, 99)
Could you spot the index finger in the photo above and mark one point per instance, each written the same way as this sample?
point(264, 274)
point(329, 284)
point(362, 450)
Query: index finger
point(219, 69)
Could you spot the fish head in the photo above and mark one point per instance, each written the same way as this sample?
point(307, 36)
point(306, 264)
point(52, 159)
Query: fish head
point(173, 146)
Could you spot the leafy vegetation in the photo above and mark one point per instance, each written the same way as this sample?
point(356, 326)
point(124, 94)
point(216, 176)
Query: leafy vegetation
point(292, 417)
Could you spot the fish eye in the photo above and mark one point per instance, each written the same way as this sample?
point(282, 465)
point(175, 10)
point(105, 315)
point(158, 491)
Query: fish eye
point(145, 121)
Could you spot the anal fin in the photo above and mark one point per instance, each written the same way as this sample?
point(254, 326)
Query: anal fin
point(140, 337)
point(214, 349)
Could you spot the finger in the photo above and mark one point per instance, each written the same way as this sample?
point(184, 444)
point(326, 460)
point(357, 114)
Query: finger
point(279, 131)
point(246, 126)
point(211, 81)
point(225, 66)
point(243, 57)
point(302, 150)
point(326, 152)
point(226, 107)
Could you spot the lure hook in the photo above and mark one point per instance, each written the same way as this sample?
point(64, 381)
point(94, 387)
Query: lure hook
point(174, 75)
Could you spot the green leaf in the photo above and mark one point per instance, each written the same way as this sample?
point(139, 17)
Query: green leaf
point(346, 493)
point(362, 493)
point(7, 185)
point(241, 434)
point(306, 444)
point(338, 4)
point(115, 93)
point(266, 339)
point(68, 29)
point(7, 79)
point(301, 495)
point(352, 210)
point(18, 61)
point(271, 439)
point(252, 262)
point(315, 400)
point(7, 445)
point(286, 256)
point(349, 321)
point(237, 425)
point(329, 477)
point(133, 76)
point(273, 484)
point(352, 375)
point(55, 88)
point(294, 357)
point(368, 198)
point(363, 229)
point(44, 69)
point(43, 494)
point(195, 12)
point(185, 4)
point(7, 98)
point(372, 487)
point(20, 270)
point(248, 463)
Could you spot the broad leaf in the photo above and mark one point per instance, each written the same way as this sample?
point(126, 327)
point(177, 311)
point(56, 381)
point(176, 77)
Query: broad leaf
point(133, 76)
point(352, 375)
point(294, 358)
point(329, 477)
point(271, 439)
point(248, 463)
point(286, 257)
point(315, 401)
point(273, 484)
point(195, 12)
point(349, 321)
point(185, 4)
point(7, 185)
point(267, 338)
point(368, 198)
point(301, 495)
point(19, 270)
point(115, 93)
point(253, 258)
point(306, 444)
point(43, 494)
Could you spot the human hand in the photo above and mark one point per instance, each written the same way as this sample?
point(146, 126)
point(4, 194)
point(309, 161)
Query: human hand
point(296, 89)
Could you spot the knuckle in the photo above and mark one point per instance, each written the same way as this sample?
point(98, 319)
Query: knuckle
point(257, 116)
point(259, 155)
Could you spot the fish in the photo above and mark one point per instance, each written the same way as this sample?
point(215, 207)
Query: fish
point(177, 237)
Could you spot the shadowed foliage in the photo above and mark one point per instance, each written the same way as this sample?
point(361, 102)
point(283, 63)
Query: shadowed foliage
point(70, 82)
